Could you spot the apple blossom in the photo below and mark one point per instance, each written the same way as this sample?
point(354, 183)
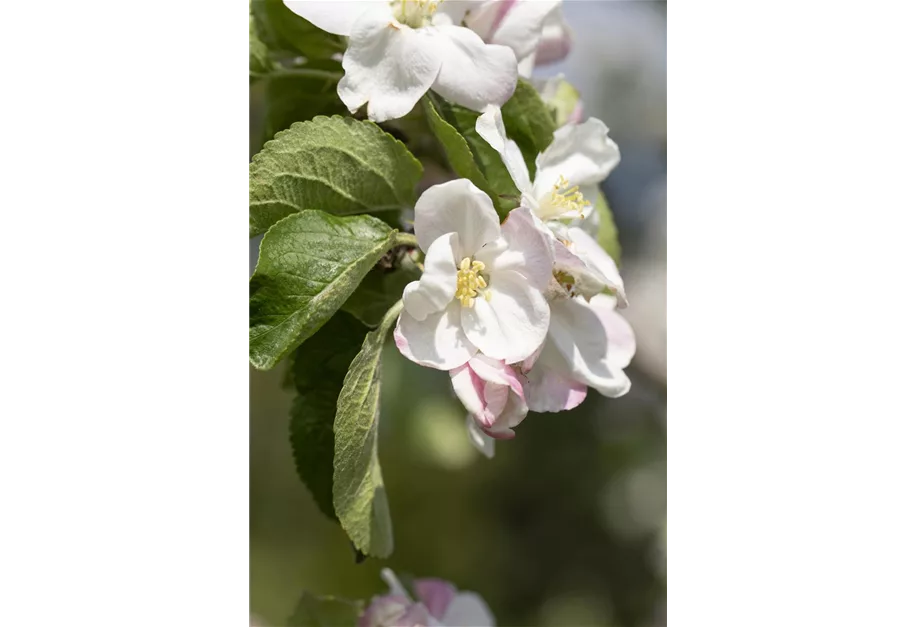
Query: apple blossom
point(589, 344)
point(399, 49)
point(562, 196)
point(438, 604)
point(492, 393)
point(482, 283)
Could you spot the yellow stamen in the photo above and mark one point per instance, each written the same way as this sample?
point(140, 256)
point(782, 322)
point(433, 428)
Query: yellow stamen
point(564, 199)
point(469, 283)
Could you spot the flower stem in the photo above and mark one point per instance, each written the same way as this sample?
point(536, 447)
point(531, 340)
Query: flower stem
point(406, 239)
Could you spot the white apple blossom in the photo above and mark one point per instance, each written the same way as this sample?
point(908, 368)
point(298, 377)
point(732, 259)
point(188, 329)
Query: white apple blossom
point(438, 604)
point(481, 288)
point(492, 393)
point(534, 29)
point(399, 49)
point(563, 197)
point(589, 344)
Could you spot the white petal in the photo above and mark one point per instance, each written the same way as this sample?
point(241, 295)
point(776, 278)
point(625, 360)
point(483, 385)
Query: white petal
point(469, 388)
point(622, 343)
point(437, 341)
point(394, 584)
point(548, 390)
point(522, 27)
point(387, 64)
point(489, 126)
point(513, 323)
point(338, 17)
point(496, 371)
point(436, 287)
point(523, 248)
point(583, 153)
point(479, 439)
point(468, 610)
point(473, 74)
point(556, 39)
point(456, 207)
point(579, 336)
point(596, 259)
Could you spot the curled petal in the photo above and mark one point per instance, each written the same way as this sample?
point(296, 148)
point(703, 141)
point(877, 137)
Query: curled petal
point(489, 126)
point(513, 323)
point(470, 390)
point(622, 343)
point(337, 18)
point(437, 341)
point(556, 39)
point(578, 336)
point(596, 259)
point(480, 440)
point(548, 390)
point(473, 74)
point(522, 27)
point(456, 207)
point(582, 153)
point(436, 287)
point(497, 372)
point(388, 65)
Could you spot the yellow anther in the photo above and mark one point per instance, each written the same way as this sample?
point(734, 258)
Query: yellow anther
point(469, 283)
point(563, 200)
point(414, 13)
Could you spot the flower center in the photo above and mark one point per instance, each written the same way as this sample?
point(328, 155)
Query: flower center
point(563, 200)
point(414, 13)
point(469, 283)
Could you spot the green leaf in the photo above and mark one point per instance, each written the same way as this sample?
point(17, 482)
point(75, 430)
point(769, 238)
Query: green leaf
point(458, 154)
point(500, 186)
point(339, 165)
point(378, 292)
point(284, 31)
point(608, 233)
point(529, 122)
point(319, 367)
point(313, 611)
point(300, 94)
point(259, 60)
point(309, 264)
point(359, 494)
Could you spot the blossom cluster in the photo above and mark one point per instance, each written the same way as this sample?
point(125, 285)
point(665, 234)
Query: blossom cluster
point(522, 314)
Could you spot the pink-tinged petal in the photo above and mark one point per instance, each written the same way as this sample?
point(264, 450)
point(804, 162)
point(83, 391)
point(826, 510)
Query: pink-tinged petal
point(578, 337)
point(521, 28)
point(529, 362)
point(528, 249)
point(473, 74)
point(416, 616)
point(582, 153)
point(496, 371)
point(333, 17)
point(469, 388)
point(384, 611)
point(436, 287)
point(468, 610)
point(622, 343)
point(547, 390)
point(437, 341)
point(513, 413)
point(456, 207)
point(388, 65)
point(490, 127)
point(496, 398)
point(512, 323)
point(556, 41)
point(595, 258)
point(480, 440)
point(436, 594)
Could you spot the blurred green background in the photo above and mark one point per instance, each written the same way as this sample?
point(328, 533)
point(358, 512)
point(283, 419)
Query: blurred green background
point(566, 525)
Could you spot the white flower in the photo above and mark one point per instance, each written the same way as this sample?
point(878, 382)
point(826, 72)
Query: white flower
point(563, 195)
point(589, 344)
point(534, 29)
point(438, 604)
point(482, 284)
point(401, 48)
point(492, 393)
